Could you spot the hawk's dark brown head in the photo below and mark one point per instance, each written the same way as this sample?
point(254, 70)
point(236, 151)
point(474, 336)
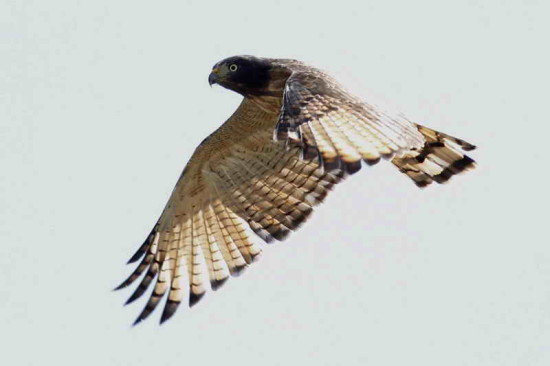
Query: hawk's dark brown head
point(250, 76)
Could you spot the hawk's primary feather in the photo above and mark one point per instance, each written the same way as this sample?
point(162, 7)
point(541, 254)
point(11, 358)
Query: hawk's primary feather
point(241, 180)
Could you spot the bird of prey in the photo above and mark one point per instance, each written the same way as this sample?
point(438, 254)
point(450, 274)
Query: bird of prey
point(295, 135)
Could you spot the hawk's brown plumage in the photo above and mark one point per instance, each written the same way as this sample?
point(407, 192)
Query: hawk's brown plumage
point(295, 135)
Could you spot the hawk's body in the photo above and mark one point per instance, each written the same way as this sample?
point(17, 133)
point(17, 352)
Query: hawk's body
point(295, 135)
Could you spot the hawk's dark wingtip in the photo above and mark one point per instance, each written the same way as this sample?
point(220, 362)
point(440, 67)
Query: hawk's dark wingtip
point(216, 284)
point(145, 246)
point(238, 270)
point(131, 299)
point(195, 298)
point(138, 320)
point(352, 167)
point(169, 310)
point(137, 293)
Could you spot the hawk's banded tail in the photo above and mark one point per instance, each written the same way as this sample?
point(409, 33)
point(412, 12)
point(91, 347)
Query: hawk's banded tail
point(439, 159)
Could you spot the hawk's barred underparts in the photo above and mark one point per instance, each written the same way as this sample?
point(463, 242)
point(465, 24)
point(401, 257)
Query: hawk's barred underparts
point(296, 134)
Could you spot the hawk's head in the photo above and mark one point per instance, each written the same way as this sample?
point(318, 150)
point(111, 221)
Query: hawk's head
point(250, 76)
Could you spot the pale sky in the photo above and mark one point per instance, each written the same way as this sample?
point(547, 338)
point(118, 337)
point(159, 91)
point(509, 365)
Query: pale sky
point(103, 102)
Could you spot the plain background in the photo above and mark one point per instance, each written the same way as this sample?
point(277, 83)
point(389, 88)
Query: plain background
point(103, 102)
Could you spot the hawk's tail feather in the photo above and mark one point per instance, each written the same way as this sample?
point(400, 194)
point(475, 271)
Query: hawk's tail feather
point(438, 160)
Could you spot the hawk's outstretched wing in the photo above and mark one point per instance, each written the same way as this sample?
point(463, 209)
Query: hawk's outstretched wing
point(237, 178)
point(323, 119)
point(319, 115)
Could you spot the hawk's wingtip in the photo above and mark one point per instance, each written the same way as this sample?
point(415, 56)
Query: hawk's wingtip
point(195, 298)
point(216, 284)
point(169, 310)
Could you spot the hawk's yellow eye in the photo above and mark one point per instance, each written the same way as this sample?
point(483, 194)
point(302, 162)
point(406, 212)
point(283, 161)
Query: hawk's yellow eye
point(233, 67)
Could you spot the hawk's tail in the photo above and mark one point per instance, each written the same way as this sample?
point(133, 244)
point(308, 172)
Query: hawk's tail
point(439, 159)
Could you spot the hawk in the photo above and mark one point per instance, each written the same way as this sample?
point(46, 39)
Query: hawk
point(295, 135)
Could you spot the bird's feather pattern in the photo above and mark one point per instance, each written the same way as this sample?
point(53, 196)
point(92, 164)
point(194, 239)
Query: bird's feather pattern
point(438, 160)
point(321, 117)
point(240, 181)
point(227, 188)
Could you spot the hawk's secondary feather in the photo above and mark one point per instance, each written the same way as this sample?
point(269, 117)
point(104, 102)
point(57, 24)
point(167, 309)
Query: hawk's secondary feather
point(241, 182)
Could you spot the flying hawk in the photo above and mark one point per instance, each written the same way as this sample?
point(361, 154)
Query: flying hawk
point(295, 135)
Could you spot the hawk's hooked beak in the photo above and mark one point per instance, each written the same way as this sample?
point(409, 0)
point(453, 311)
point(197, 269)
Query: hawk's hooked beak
point(213, 77)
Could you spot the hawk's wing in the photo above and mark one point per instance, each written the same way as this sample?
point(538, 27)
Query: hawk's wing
point(237, 178)
point(324, 119)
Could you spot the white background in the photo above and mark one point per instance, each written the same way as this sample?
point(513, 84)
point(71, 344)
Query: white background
point(103, 102)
